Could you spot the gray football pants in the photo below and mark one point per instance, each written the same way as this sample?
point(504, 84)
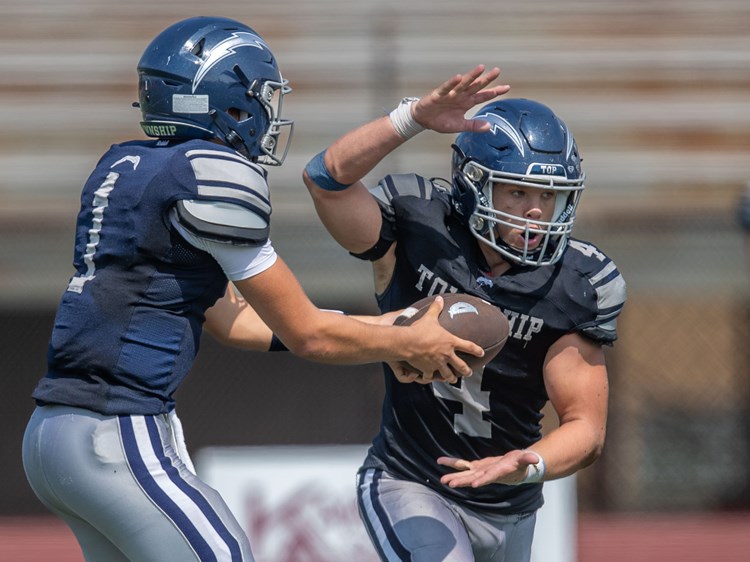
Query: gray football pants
point(127, 489)
point(410, 522)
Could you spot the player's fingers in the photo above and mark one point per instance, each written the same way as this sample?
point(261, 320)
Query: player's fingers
point(490, 93)
point(529, 457)
point(446, 374)
point(452, 462)
point(437, 377)
point(458, 367)
point(445, 88)
point(482, 80)
point(458, 479)
point(470, 77)
point(468, 346)
point(434, 310)
point(429, 378)
point(403, 373)
point(407, 377)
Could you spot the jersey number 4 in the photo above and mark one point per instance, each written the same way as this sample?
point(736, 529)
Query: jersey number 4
point(474, 402)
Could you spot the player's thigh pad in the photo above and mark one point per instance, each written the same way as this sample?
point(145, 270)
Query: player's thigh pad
point(499, 538)
point(121, 475)
point(409, 522)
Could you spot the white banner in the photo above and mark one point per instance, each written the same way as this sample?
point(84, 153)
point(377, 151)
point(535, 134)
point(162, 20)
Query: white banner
point(298, 503)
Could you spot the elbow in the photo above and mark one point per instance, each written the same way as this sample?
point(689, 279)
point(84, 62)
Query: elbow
point(312, 187)
point(317, 192)
point(592, 457)
point(595, 450)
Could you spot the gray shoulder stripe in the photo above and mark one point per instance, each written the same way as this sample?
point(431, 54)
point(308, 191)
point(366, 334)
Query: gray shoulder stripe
point(229, 193)
point(224, 156)
point(612, 293)
point(408, 185)
point(613, 313)
point(606, 270)
point(610, 326)
point(379, 193)
point(213, 169)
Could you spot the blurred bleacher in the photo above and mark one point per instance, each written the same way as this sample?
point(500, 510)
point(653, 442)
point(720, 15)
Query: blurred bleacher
point(656, 93)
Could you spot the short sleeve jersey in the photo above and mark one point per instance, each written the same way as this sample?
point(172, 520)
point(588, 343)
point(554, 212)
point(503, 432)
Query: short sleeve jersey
point(128, 325)
point(499, 409)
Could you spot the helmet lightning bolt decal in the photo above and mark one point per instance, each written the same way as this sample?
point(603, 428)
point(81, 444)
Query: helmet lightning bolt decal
point(226, 48)
point(498, 123)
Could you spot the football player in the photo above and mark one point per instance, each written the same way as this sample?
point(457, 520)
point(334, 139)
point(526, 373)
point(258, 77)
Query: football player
point(456, 470)
point(164, 224)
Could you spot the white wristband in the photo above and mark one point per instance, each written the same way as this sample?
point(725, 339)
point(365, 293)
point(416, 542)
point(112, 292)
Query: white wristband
point(403, 120)
point(534, 472)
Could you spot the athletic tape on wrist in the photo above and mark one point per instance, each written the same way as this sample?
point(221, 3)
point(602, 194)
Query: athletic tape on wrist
point(403, 120)
point(318, 173)
point(535, 472)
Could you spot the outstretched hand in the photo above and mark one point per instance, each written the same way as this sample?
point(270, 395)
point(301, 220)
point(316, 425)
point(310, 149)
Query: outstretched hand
point(444, 109)
point(507, 469)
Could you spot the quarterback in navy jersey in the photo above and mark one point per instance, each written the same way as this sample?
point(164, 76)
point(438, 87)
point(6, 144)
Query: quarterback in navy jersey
point(456, 471)
point(164, 224)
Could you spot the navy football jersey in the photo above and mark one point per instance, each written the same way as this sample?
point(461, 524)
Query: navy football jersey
point(128, 326)
point(498, 410)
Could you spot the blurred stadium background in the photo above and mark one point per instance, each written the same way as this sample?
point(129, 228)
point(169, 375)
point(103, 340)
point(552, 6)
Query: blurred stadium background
point(657, 94)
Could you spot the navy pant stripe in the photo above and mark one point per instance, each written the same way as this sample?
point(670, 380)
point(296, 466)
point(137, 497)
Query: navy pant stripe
point(393, 541)
point(205, 545)
point(192, 493)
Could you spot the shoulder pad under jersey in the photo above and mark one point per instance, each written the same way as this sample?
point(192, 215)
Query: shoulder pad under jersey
point(609, 285)
point(222, 222)
point(403, 185)
point(231, 203)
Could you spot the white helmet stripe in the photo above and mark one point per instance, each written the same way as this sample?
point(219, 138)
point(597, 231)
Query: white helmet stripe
point(224, 49)
point(504, 126)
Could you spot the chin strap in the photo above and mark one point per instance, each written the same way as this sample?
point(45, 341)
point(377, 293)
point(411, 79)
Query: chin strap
point(231, 137)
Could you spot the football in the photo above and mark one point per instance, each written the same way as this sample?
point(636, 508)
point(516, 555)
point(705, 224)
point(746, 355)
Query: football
point(468, 317)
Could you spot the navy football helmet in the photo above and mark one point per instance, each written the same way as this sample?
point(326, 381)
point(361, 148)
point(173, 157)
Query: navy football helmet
point(529, 146)
point(210, 77)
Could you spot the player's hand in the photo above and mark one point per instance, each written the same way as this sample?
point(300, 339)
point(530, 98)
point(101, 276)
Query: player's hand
point(506, 469)
point(405, 374)
point(433, 349)
point(444, 109)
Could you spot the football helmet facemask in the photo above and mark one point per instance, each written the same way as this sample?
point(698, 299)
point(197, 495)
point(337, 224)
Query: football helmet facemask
point(209, 77)
point(529, 146)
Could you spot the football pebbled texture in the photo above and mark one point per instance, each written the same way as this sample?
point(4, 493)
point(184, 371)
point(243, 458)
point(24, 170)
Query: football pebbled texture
point(468, 317)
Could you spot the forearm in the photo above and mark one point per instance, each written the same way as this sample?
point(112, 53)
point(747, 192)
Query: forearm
point(570, 447)
point(331, 337)
point(354, 155)
point(351, 341)
point(233, 322)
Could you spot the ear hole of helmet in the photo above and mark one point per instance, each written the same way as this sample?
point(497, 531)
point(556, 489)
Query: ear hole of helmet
point(465, 200)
